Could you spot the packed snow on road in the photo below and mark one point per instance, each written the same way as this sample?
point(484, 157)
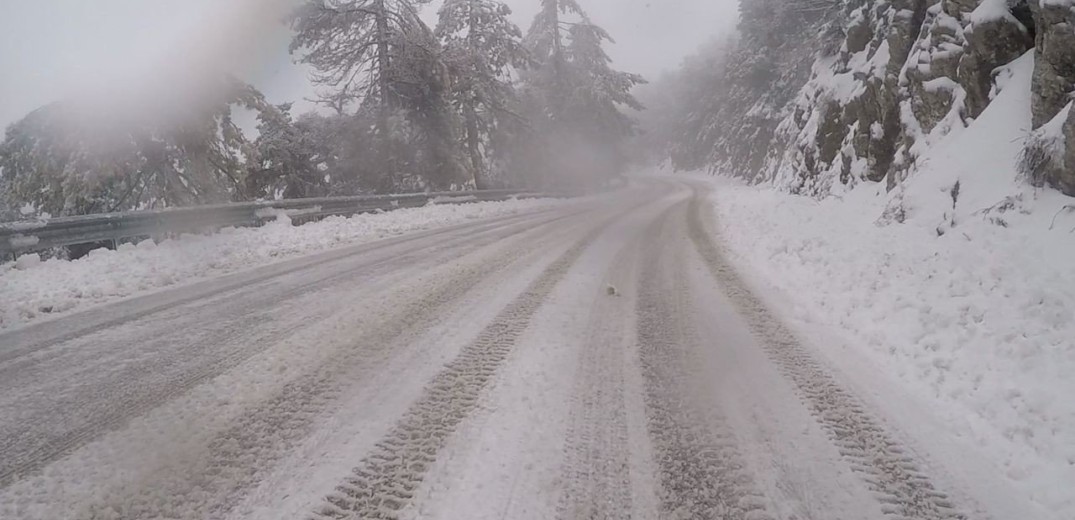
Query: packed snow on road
point(36, 288)
point(789, 260)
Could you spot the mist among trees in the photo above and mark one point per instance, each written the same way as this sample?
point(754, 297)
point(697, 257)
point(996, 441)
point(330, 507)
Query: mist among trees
point(471, 102)
point(720, 109)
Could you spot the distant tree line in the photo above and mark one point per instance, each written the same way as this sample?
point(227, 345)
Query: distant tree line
point(723, 105)
point(470, 103)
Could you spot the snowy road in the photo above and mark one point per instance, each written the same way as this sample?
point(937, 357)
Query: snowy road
point(595, 361)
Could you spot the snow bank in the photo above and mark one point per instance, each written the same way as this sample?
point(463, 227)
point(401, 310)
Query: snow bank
point(32, 288)
point(970, 301)
point(980, 321)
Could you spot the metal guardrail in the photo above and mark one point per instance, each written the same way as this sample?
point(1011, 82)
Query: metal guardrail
point(29, 236)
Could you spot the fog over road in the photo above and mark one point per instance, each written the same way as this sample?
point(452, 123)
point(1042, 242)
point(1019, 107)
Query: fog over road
point(597, 361)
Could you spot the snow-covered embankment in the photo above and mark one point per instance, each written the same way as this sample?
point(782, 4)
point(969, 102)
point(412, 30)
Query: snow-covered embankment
point(33, 289)
point(969, 303)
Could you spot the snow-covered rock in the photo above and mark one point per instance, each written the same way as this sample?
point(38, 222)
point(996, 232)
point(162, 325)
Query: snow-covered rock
point(1051, 151)
point(27, 262)
point(905, 75)
point(909, 73)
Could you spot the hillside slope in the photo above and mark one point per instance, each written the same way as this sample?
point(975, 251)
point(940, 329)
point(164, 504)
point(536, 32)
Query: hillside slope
point(933, 145)
point(861, 91)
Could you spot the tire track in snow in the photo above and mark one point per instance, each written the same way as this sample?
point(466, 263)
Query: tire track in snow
point(385, 481)
point(233, 460)
point(903, 489)
point(597, 471)
point(17, 464)
point(41, 335)
point(700, 469)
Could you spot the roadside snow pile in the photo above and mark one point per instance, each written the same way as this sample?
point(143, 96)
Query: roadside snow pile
point(981, 320)
point(970, 301)
point(32, 288)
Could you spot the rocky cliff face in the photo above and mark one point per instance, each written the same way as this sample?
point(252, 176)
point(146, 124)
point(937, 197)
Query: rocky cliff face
point(1050, 155)
point(908, 73)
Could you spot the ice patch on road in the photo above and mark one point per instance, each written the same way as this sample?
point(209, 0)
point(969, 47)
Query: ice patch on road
point(32, 290)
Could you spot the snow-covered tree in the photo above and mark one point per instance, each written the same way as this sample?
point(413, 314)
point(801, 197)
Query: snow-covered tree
point(377, 57)
point(546, 41)
point(574, 97)
point(67, 159)
point(433, 127)
point(598, 93)
point(352, 45)
point(681, 124)
point(733, 94)
point(290, 158)
point(483, 46)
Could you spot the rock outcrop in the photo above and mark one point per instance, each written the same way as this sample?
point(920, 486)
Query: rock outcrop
point(1054, 50)
point(908, 73)
point(1050, 156)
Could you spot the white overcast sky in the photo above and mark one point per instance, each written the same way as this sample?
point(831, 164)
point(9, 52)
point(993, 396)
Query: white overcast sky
point(54, 49)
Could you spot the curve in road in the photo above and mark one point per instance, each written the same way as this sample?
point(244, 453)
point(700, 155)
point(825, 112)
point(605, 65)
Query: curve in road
point(601, 361)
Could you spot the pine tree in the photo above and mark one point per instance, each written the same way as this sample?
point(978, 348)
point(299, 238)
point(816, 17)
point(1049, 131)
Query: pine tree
point(575, 97)
point(64, 159)
point(288, 158)
point(352, 44)
point(735, 93)
point(482, 46)
point(687, 126)
point(545, 41)
point(377, 58)
point(425, 89)
point(598, 91)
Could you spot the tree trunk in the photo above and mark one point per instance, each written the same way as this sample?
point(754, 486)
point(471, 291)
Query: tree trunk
point(471, 114)
point(557, 62)
point(383, 84)
point(384, 87)
point(474, 149)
